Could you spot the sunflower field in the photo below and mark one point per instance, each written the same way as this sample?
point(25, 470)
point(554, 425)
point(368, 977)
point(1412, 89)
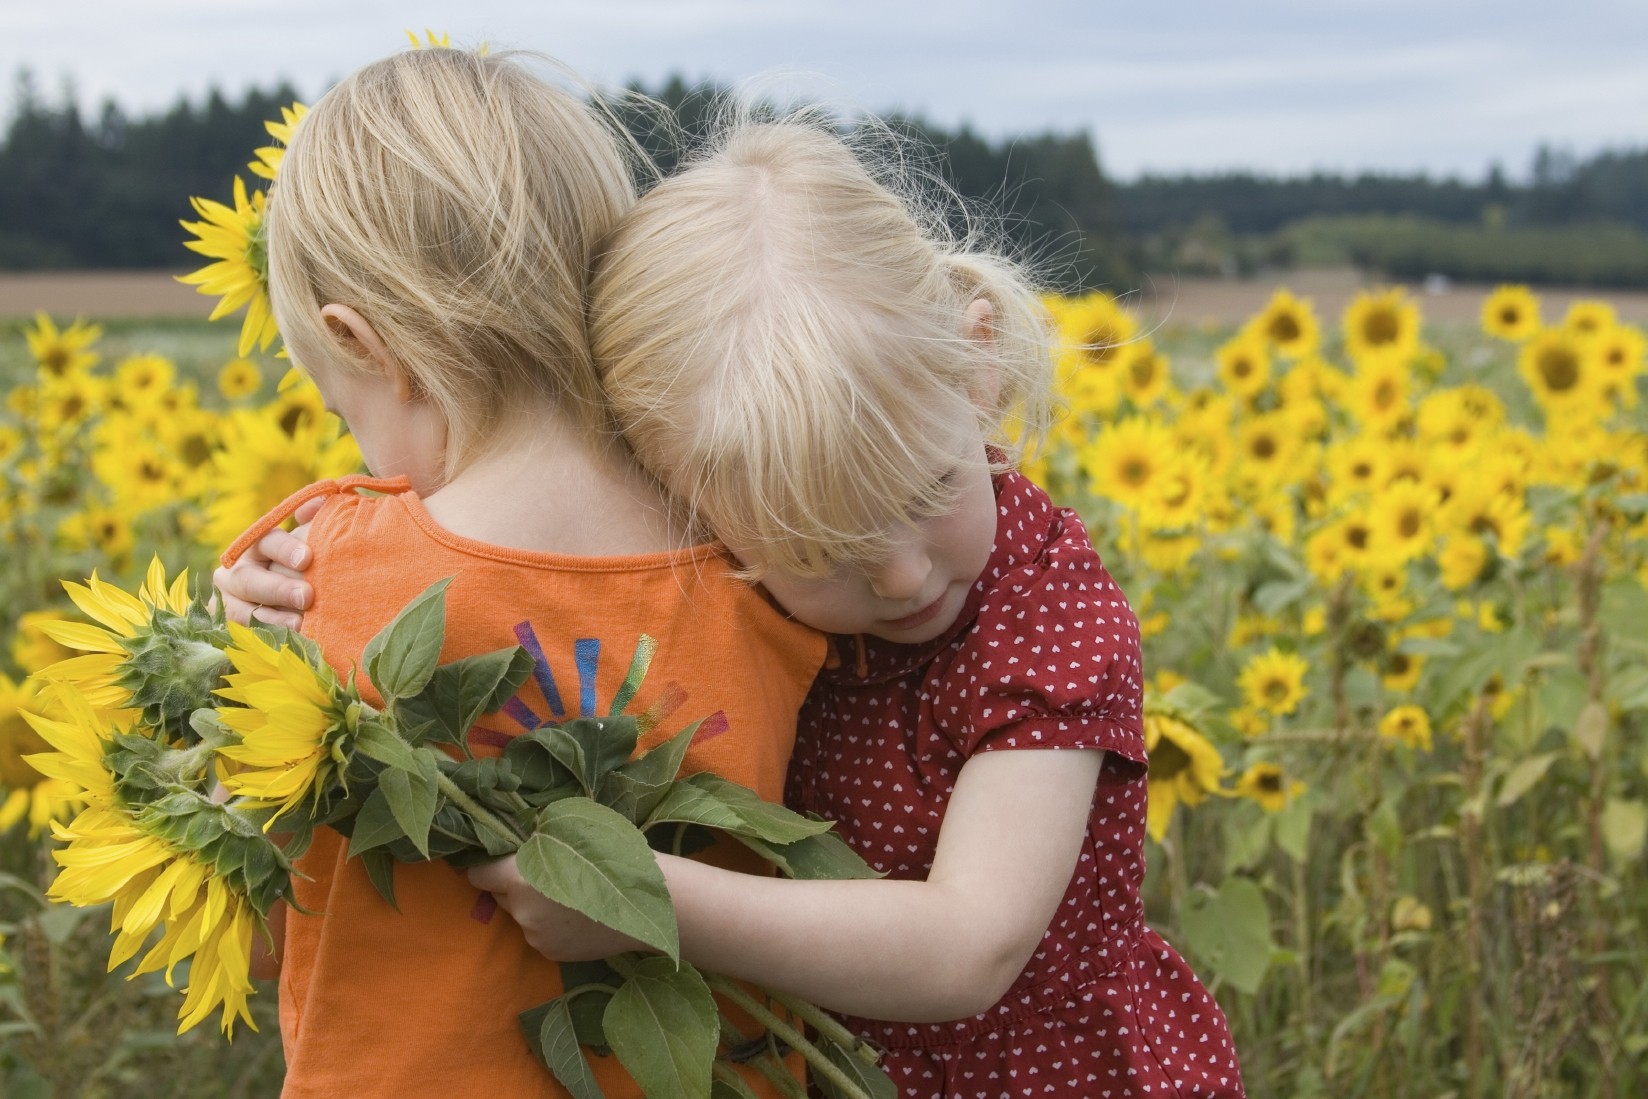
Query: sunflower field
point(1391, 582)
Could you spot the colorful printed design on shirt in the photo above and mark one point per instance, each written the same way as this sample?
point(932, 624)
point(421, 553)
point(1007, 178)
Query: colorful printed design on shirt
point(586, 656)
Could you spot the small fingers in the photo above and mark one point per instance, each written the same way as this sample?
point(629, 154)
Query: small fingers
point(282, 547)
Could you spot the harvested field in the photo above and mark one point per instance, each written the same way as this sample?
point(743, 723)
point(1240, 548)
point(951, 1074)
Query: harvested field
point(1161, 299)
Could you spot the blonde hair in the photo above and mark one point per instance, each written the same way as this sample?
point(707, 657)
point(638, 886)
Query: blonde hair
point(783, 338)
point(454, 199)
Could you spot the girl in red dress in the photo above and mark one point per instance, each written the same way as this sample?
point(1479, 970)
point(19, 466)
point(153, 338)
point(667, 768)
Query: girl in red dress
point(827, 384)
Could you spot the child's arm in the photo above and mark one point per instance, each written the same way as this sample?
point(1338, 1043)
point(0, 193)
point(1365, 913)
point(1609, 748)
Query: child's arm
point(268, 579)
point(913, 951)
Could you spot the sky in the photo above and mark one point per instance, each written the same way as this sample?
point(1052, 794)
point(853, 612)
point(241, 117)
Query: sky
point(1277, 87)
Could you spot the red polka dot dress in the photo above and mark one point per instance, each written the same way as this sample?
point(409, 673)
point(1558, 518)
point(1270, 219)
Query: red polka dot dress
point(1044, 655)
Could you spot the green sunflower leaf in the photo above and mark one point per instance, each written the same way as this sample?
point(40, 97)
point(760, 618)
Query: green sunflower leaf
point(403, 655)
point(549, 1028)
point(716, 802)
point(457, 694)
point(636, 788)
point(662, 1026)
point(591, 859)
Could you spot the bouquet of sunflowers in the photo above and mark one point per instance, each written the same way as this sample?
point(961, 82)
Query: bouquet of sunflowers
point(192, 740)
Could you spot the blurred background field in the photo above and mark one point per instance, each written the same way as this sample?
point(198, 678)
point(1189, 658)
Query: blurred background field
point(1390, 570)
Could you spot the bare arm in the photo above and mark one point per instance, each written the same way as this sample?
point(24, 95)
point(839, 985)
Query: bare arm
point(914, 951)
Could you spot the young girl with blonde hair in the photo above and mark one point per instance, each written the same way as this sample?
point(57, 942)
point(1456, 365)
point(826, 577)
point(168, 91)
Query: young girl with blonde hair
point(829, 383)
point(430, 240)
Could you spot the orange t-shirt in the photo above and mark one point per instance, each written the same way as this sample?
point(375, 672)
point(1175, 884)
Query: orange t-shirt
point(423, 1001)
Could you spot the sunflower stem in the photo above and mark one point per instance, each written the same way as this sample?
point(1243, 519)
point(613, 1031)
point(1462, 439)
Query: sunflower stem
point(788, 1034)
point(482, 816)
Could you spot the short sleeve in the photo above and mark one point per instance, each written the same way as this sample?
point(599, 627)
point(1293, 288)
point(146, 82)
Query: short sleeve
point(1053, 661)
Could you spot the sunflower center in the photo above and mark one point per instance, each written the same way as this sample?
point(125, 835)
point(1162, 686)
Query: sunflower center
point(1275, 691)
point(1559, 369)
point(1263, 448)
point(56, 360)
point(1380, 328)
point(1385, 394)
point(1510, 316)
point(1134, 471)
point(195, 451)
point(1284, 328)
point(1101, 346)
point(1410, 523)
point(1356, 536)
point(1268, 782)
point(1167, 761)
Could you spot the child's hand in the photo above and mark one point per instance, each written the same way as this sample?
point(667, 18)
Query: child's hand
point(267, 582)
point(553, 930)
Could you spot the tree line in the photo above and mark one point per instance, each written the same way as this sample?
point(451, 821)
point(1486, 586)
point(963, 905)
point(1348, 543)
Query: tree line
point(108, 191)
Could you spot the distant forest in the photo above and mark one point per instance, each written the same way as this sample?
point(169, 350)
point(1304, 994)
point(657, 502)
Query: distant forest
point(107, 192)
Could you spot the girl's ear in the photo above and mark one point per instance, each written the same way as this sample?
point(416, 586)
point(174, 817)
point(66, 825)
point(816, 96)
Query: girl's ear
point(979, 326)
point(354, 330)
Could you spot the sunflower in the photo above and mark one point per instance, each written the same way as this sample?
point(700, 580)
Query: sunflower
point(66, 403)
point(143, 380)
point(1095, 335)
point(268, 158)
point(1180, 497)
point(1619, 354)
point(1243, 366)
point(1274, 682)
point(1146, 374)
point(1289, 325)
point(25, 793)
point(111, 855)
point(1448, 420)
point(140, 473)
point(104, 529)
point(1379, 392)
point(1268, 447)
point(1588, 318)
point(1402, 518)
point(1355, 466)
point(1511, 313)
point(1325, 555)
point(1125, 460)
point(239, 379)
point(292, 716)
point(233, 238)
point(260, 464)
point(1401, 671)
point(1478, 508)
point(76, 742)
point(100, 676)
point(1382, 325)
point(1463, 559)
point(1408, 724)
point(1184, 767)
point(62, 352)
point(1561, 373)
point(298, 406)
point(1267, 784)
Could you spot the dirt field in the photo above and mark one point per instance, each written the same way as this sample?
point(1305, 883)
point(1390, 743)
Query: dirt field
point(1163, 299)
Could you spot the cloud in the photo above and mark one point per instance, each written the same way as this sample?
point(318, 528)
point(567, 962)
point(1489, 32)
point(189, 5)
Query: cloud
point(1274, 85)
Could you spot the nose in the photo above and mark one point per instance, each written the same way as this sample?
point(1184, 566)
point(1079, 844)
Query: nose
point(904, 574)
